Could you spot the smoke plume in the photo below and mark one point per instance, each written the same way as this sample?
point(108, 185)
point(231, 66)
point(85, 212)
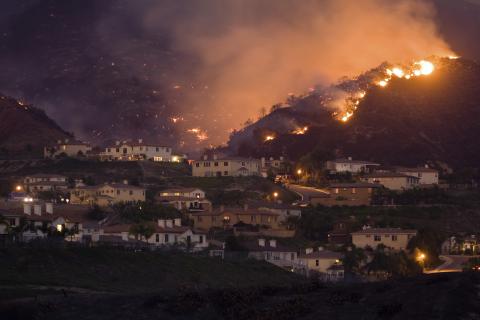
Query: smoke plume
point(253, 53)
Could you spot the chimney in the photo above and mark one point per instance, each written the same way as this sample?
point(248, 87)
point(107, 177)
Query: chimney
point(271, 158)
point(273, 243)
point(350, 158)
point(37, 209)
point(161, 223)
point(426, 166)
point(177, 222)
point(27, 209)
point(67, 140)
point(308, 250)
point(125, 181)
point(215, 157)
point(117, 143)
point(245, 207)
point(169, 223)
point(205, 157)
point(320, 249)
point(140, 140)
point(49, 208)
point(59, 141)
point(261, 242)
point(222, 208)
point(281, 158)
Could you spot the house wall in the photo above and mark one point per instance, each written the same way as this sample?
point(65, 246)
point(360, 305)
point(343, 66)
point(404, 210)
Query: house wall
point(388, 240)
point(208, 221)
point(394, 183)
point(323, 264)
point(70, 150)
point(346, 167)
point(425, 177)
point(214, 168)
point(128, 152)
point(281, 259)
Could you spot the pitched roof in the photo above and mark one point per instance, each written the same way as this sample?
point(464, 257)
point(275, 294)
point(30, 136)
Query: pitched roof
point(418, 169)
point(322, 254)
point(253, 246)
point(45, 175)
point(237, 211)
point(388, 175)
point(179, 190)
point(354, 185)
point(385, 231)
point(351, 161)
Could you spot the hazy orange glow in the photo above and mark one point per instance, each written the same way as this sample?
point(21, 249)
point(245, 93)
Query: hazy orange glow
point(269, 138)
point(300, 130)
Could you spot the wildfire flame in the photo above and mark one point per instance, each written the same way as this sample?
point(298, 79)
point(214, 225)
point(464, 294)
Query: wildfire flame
point(269, 138)
point(416, 69)
point(300, 130)
point(199, 134)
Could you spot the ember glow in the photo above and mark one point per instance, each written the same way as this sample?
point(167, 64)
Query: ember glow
point(269, 138)
point(300, 130)
point(200, 134)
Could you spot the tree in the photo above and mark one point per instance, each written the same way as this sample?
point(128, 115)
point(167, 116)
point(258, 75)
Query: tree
point(353, 259)
point(429, 242)
point(142, 230)
point(96, 213)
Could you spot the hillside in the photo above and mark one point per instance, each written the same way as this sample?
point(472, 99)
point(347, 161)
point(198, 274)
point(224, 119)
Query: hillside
point(98, 283)
point(25, 130)
point(430, 119)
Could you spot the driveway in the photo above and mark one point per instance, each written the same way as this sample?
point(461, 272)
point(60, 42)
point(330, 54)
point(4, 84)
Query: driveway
point(452, 263)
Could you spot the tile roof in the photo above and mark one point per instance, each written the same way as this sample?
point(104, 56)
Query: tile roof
point(418, 169)
point(385, 231)
point(354, 185)
point(345, 160)
point(237, 211)
point(322, 254)
point(388, 175)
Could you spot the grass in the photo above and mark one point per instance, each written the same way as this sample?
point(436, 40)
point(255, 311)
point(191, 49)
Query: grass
point(118, 271)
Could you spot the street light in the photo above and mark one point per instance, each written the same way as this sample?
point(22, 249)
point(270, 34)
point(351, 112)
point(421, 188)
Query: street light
point(18, 188)
point(299, 171)
point(275, 195)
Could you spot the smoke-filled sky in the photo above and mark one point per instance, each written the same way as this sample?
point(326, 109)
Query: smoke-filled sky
point(216, 62)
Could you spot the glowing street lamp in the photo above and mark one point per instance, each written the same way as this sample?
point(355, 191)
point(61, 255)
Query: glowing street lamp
point(299, 171)
point(19, 188)
point(275, 195)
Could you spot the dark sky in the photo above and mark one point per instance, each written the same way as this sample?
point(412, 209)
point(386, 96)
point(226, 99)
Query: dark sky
point(109, 69)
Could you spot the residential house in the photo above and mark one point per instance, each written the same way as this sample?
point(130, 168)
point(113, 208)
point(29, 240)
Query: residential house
point(392, 180)
point(276, 166)
point(166, 233)
point(345, 194)
point(284, 210)
point(188, 199)
point(273, 252)
point(228, 217)
point(38, 218)
point(68, 147)
point(45, 182)
point(349, 165)
point(396, 239)
point(138, 150)
point(427, 176)
point(320, 262)
point(231, 166)
point(107, 194)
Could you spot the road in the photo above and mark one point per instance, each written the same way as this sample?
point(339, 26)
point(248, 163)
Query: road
point(306, 192)
point(452, 263)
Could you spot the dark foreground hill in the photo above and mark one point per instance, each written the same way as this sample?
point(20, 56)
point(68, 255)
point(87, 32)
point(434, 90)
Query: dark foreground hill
point(25, 130)
point(431, 119)
point(126, 285)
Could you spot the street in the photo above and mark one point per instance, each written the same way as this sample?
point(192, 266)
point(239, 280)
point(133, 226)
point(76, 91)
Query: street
point(306, 192)
point(452, 263)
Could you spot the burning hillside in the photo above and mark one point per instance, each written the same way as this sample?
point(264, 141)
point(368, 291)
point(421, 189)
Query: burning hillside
point(25, 130)
point(421, 112)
